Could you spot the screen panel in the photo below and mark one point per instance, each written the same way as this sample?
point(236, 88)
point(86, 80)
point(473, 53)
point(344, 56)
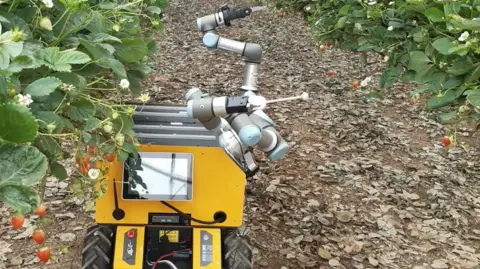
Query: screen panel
point(159, 176)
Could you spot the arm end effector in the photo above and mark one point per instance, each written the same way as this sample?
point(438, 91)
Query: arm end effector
point(221, 18)
point(253, 128)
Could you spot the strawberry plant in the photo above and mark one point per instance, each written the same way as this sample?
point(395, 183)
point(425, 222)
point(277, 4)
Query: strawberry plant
point(62, 62)
point(434, 44)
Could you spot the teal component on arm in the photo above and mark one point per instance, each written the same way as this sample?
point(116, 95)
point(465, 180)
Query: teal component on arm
point(250, 135)
point(279, 151)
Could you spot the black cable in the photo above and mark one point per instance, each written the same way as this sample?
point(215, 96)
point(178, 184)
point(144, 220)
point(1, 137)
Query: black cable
point(192, 218)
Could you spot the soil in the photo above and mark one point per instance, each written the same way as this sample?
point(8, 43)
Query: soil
point(366, 183)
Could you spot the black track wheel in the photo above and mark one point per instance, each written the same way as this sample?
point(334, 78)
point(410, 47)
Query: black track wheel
point(98, 247)
point(238, 253)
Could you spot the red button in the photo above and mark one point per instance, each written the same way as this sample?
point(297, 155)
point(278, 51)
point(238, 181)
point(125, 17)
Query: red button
point(130, 234)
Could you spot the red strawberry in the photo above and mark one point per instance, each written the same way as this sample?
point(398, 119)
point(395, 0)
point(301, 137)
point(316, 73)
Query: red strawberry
point(44, 254)
point(446, 141)
point(17, 221)
point(38, 236)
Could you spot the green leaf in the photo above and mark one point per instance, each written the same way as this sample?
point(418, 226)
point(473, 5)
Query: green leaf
point(31, 48)
point(341, 22)
point(122, 156)
point(4, 59)
point(420, 35)
point(14, 21)
point(113, 64)
point(152, 46)
point(131, 50)
point(448, 97)
point(124, 123)
point(21, 62)
point(58, 171)
point(418, 61)
point(473, 76)
point(92, 124)
point(87, 137)
point(3, 85)
point(453, 82)
point(43, 86)
point(13, 48)
point(99, 23)
point(48, 146)
point(460, 49)
point(443, 45)
point(154, 10)
point(108, 47)
point(20, 199)
point(81, 110)
point(390, 76)
point(73, 57)
point(141, 67)
point(434, 14)
point(62, 60)
point(474, 99)
point(465, 24)
point(344, 10)
point(17, 123)
point(447, 116)
point(27, 14)
point(73, 79)
point(129, 148)
point(95, 49)
point(103, 37)
point(135, 77)
point(107, 5)
point(21, 165)
point(460, 67)
point(49, 117)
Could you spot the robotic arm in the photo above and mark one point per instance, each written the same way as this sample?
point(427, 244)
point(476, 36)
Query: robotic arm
point(243, 114)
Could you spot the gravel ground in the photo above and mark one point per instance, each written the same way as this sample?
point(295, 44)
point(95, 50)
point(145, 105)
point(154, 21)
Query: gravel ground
point(366, 183)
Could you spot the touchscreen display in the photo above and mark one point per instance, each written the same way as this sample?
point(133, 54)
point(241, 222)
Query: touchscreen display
point(160, 176)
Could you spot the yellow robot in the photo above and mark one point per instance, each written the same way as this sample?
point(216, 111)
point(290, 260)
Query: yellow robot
point(179, 204)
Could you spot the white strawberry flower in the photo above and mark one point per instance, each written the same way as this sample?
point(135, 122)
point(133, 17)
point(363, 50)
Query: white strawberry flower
point(365, 82)
point(144, 98)
point(48, 3)
point(67, 87)
point(390, 28)
point(124, 83)
point(94, 173)
point(24, 99)
point(464, 36)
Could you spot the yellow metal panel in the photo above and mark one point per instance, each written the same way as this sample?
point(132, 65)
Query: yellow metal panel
point(207, 248)
point(218, 185)
point(119, 262)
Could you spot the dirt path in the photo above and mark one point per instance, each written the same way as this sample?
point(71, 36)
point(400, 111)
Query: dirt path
point(365, 185)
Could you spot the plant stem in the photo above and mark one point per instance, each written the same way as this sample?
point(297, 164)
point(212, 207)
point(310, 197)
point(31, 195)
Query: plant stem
point(59, 105)
point(42, 186)
point(95, 81)
point(61, 17)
